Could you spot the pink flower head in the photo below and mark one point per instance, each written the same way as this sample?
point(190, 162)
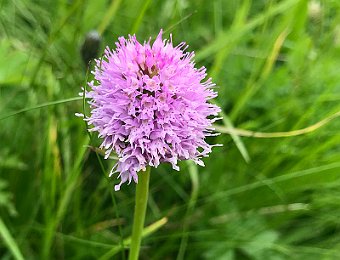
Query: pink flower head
point(149, 104)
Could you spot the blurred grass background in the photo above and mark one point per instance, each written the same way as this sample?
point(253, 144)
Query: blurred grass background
point(277, 65)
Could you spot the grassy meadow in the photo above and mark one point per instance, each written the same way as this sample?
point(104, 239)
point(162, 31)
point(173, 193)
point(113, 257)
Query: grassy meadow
point(272, 191)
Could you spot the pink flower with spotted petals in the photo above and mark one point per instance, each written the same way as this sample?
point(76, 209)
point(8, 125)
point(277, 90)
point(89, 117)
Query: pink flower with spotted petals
point(150, 105)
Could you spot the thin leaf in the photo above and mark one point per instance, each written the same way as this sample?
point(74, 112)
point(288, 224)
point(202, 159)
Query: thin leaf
point(9, 241)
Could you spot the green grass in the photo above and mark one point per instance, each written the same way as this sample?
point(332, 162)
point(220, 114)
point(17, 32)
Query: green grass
point(276, 64)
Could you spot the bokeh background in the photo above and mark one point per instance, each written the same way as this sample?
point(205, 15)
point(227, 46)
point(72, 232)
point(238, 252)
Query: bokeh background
point(277, 67)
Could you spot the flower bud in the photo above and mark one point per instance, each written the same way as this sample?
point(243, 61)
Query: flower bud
point(90, 46)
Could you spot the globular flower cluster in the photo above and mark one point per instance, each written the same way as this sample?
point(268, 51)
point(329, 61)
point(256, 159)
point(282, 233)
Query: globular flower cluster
point(149, 104)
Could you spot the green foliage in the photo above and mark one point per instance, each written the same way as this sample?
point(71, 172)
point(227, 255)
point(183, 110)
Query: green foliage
point(276, 65)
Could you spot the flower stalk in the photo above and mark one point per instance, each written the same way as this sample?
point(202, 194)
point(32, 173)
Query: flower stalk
point(142, 192)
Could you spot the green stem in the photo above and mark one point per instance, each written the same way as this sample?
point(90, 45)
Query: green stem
point(142, 191)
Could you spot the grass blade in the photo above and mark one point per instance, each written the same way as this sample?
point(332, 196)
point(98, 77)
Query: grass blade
point(47, 104)
point(247, 133)
point(9, 241)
